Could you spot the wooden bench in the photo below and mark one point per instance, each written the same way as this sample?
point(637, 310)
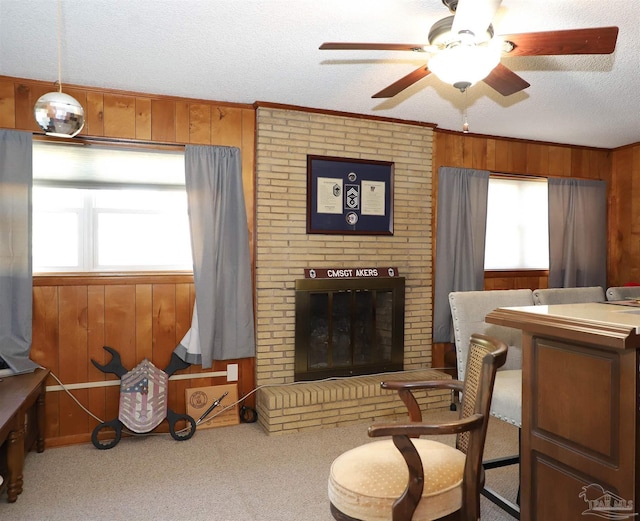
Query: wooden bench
point(21, 424)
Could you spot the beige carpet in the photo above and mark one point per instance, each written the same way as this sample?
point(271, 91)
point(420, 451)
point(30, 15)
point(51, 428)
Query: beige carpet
point(235, 473)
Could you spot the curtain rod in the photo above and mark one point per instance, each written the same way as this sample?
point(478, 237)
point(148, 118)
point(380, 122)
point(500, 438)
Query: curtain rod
point(82, 141)
point(540, 177)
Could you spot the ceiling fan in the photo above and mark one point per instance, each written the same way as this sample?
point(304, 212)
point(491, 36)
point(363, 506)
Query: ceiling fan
point(464, 50)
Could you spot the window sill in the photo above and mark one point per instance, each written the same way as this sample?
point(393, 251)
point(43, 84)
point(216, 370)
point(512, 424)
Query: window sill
point(111, 278)
point(499, 274)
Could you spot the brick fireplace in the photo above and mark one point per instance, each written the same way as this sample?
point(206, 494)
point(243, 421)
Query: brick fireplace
point(348, 327)
point(284, 138)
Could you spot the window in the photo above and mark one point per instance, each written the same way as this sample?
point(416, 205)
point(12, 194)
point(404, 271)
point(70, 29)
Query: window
point(517, 234)
point(98, 208)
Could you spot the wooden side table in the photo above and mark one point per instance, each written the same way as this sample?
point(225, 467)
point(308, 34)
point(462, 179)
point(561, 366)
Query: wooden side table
point(21, 423)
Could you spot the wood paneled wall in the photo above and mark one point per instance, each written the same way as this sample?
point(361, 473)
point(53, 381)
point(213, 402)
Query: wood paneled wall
point(516, 157)
point(75, 316)
point(624, 217)
point(139, 316)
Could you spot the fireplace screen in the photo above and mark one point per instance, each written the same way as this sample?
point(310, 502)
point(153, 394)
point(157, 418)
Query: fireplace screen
point(348, 327)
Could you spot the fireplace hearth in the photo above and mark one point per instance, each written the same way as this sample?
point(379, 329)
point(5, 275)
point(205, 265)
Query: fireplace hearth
point(348, 327)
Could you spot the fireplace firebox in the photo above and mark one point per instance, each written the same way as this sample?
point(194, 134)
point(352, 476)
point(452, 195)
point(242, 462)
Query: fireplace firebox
point(348, 327)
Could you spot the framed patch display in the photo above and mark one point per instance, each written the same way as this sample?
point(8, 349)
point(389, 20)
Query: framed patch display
point(349, 196)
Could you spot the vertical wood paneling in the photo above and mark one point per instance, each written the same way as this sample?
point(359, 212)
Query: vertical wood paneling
point(624, 201)
point(44, 348)
point(119, 116)
point(199, 123)
point(94, 114)
point(559, 161)
point(247, 146)
point(537, 159)
point(119, 319)
point(95, 351)
point(479, 154)
point(226, 126)
point(121, 315)
point(73, 363)
point(144, 322)
point(140, 320)
point(529, 158)
point(491, 155)
point(7, 104)
point(25, 99)
point(182, 323)
point(163, 120)
point(143, 118)
point(164, 330)
point(182, 122)
point(502, 156)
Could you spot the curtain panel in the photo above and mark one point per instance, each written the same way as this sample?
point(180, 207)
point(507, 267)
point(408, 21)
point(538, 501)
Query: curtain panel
point(577, 233)
point(460, 240)
point(16, 279)
point(223, 322)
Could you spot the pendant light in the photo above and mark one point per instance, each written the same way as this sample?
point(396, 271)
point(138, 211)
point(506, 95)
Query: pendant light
point(57, 113)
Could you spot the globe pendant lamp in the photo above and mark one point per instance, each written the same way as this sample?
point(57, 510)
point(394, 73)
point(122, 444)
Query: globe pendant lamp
point(57, 113)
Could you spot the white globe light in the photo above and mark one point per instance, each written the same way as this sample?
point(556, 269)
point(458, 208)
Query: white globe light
point(59, 114)
point(463, 65)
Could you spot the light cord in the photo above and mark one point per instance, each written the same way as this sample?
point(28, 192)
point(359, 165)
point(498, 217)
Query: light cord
point(212, 416)
point(59, 45)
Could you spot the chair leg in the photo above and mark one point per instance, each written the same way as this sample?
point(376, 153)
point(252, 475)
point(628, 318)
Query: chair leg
point(513, 509)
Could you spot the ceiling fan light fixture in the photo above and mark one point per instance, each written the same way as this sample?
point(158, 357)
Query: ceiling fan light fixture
point(463, 65)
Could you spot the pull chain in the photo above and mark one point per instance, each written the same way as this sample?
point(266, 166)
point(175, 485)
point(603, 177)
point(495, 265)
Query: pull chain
point(465, 123)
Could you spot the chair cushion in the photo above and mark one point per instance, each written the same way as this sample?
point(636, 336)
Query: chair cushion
point(365, 481)
point(506, 402)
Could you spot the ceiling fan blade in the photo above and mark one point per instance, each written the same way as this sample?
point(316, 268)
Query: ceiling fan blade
point(598, 40)
point(419, 47)
point(474, 16)
point(403, 83)
point(505, 81)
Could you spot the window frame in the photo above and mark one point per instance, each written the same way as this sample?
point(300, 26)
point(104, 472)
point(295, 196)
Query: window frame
point(513, 271)
point(88, 213)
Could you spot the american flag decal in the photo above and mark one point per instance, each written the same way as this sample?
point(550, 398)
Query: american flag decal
point(143, 397)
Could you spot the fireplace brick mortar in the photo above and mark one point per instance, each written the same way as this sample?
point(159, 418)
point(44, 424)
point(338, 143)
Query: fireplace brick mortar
point(284, 138)
point(330, 403)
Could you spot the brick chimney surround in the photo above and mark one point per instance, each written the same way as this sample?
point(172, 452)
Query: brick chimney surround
point(285, 136)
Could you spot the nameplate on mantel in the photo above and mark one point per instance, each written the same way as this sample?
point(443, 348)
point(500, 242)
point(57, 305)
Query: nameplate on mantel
point(350, 273)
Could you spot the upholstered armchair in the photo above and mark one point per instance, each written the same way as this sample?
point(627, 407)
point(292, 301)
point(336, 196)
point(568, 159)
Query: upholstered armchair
point(549, 296)
point(623, 293)
point(408, 478)
point(468, 311)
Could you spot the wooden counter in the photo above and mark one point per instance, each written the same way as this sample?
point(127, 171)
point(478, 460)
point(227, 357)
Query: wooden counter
point(579, 453)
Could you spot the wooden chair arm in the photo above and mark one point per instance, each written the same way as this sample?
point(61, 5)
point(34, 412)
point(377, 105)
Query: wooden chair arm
point(405, 506)
point(396, 385)
point(405, 389)
point(415, 429)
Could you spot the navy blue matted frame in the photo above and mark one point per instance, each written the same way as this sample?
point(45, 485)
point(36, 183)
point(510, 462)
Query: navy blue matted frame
point(339, 184)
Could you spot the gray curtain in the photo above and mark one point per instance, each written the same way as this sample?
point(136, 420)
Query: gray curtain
point(461, 231)
point(577, 233)
point(222, 326)
point(16, 280)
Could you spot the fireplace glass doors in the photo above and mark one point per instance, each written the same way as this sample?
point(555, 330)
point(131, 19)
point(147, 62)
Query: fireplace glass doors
point(347, 327)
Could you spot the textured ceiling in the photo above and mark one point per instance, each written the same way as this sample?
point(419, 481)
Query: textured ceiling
point(247, 50)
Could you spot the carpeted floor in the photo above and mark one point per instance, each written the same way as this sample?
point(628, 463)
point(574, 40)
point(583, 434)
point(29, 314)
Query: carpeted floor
point(235, 473)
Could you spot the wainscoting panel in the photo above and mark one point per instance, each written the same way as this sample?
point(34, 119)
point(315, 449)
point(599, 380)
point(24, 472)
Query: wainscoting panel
point(140, 316)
